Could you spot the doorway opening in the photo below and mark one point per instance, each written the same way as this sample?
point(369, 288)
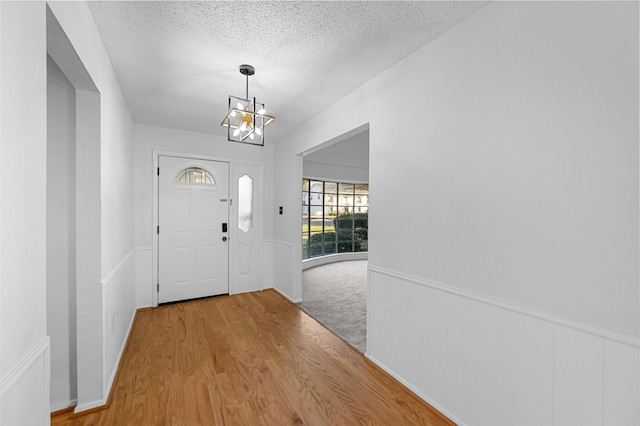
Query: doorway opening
point(335, 207)
point(73, 223)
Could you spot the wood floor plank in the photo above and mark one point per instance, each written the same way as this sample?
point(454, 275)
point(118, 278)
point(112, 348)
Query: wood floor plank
point(248, 359)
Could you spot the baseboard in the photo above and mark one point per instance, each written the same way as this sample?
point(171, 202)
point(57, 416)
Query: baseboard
point(63, 411)
point(286, 296)
point(419, 394)
point(62, 407)
point(89, 407)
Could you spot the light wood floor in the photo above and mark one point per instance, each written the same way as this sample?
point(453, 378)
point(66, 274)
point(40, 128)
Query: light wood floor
point(248, 359)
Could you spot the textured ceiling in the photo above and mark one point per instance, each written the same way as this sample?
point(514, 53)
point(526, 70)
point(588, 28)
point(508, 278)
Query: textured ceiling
point(177, 62)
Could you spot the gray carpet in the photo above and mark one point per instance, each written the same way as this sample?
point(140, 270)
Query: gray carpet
point(335, 295)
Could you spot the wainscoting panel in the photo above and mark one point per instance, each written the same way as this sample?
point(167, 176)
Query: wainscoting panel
point(284, 261)
point(118, 297)
point(382, 343)
point(484, 362)
point(144, 276)
point(445, 327)
point(268, 266)
point(24, 391)
point(528, 358)
point(578, 367)
point(419, 348)
point(621, 384)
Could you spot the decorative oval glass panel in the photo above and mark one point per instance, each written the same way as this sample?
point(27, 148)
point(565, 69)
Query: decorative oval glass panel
point(245, 203)
point(195, 175)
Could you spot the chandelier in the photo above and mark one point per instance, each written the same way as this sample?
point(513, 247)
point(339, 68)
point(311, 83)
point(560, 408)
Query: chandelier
point(246, 119)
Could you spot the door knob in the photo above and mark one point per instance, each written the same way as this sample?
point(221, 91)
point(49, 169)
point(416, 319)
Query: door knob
point(224, 238)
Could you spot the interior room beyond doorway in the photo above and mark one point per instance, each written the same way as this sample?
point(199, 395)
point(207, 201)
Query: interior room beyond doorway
point(335, 207)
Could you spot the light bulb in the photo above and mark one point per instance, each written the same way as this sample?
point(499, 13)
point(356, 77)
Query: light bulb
point(251, 136)
point(258, 131)
point(240, 107)
point(236, 132)
point(262, 111)
point(243, 127)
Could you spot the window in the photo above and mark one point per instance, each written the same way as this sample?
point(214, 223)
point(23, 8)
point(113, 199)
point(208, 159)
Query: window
point(334, 217)
point(245, 203)
point(195, 175)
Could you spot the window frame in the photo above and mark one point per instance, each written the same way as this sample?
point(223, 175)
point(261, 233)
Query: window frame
point(341, 198)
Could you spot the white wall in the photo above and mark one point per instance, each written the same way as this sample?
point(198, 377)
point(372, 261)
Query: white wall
point(61, 236)
point(152, 138)
point(108, 302)
point(24, 345)
point(335, 172)
point(89, 304)
point(527, 167)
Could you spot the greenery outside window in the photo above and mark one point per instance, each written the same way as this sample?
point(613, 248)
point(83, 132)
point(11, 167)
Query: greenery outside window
point(335, 217)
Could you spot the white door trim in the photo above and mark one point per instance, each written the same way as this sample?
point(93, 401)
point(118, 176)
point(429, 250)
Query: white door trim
point(232, 220)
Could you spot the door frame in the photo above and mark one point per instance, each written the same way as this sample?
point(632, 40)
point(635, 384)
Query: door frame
point(232, 219)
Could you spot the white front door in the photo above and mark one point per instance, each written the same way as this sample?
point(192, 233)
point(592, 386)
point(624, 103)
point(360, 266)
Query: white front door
point(193, 217)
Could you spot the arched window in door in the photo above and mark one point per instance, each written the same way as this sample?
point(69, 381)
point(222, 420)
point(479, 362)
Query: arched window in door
point(195, 175)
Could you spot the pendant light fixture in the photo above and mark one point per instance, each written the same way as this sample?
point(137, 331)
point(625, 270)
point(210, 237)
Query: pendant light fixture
point(246, 118)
